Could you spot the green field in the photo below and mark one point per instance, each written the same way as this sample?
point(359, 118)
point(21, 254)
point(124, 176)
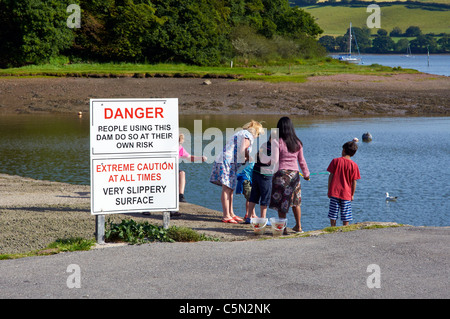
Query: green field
point(334, 20)
point(297, 71)
point(372, 1)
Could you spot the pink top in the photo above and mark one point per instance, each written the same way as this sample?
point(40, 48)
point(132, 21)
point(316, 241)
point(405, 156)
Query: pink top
point(182, 152)
point(287, 160)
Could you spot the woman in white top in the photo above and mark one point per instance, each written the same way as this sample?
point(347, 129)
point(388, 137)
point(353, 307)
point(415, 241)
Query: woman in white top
point(224, 172)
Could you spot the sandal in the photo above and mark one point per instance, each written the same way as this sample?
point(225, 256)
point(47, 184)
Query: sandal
point(237, 218)
point(231, 221)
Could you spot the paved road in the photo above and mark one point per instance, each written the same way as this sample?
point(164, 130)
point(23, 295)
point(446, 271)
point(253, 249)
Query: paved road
point(413, 263)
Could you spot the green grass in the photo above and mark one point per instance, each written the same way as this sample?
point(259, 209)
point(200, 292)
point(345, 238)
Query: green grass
point(334, 20)
point(297, 71)
point(60, 245)
point(133, 232)
point(127, 231)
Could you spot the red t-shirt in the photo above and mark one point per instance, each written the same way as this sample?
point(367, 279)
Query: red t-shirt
point(344, 171)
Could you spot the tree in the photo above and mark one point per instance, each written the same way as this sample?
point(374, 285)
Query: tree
point(189, 31)
point(33, 31)
point(193, 32)
point(413, 31)
point(296, 22)
point(401, 45)
point(423, 43)
point(396, 32)
point(382, 32)
point(444, 42)
point(130, 28)
point(382, 44)
point(360, 36)
point(328, 42)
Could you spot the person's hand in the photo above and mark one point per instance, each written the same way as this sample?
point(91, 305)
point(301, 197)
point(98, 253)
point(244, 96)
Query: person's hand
point(306, 178)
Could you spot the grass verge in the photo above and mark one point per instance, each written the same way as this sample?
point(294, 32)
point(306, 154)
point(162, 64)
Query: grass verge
point(297, 71)
point(139, 233)
point(127, 231)
point(60, 245)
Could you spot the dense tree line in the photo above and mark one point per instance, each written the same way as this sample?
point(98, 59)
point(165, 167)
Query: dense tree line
point(203, 32)
point(383, 43)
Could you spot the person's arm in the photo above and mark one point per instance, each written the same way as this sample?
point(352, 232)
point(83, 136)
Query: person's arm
point(264, 158)
point(330, 177)
point(244, 149)
point(198, 158)
point(303, 165)
point(353, 188)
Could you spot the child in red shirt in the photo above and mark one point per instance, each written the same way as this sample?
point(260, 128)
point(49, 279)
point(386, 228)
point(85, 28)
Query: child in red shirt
point(342, 184)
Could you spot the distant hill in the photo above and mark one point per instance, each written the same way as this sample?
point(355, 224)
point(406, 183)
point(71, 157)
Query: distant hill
point(334, 19)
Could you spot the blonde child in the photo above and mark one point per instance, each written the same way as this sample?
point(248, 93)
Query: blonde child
point(224, 172)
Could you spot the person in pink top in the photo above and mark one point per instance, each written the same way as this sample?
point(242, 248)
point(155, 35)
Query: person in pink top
point(288, 153)
point(342, 184)
point(182, 153)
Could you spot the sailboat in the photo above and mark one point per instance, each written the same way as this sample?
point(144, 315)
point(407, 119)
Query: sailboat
point(408, 52)
point(348, 57)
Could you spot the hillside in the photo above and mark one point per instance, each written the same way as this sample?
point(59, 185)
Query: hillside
point(335, 19)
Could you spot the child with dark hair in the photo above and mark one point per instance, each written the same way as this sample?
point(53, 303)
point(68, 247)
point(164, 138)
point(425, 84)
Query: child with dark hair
point(288, 155)
point(342, 184)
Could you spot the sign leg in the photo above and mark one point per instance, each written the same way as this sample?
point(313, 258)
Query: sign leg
point(100, 229)
point(166, 220)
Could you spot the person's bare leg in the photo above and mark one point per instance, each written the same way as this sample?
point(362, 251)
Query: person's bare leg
point(250, 210)
point(298, 218)
point(182, 182)
point(225, 198)
point(263, 211)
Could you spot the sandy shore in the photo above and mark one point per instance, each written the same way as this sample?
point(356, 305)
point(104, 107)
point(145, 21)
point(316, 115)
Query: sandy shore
point(34, 213)
point(338, 95)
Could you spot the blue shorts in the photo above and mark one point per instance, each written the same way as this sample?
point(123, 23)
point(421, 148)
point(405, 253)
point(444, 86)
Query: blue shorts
point(261, 189)
point(340, 205)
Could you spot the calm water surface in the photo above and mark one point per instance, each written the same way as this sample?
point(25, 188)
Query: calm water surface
point(434, 64)
point(408, 158)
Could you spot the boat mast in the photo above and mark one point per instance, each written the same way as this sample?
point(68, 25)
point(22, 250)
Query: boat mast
point(350, 40)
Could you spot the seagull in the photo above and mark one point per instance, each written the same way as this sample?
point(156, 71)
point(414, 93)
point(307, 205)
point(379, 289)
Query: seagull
point(390, 198)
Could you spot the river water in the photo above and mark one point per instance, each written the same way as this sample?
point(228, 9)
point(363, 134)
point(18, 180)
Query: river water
point(408, 158)
point(434, 64)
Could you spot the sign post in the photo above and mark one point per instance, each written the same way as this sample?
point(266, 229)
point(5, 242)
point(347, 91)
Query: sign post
point(134, 156)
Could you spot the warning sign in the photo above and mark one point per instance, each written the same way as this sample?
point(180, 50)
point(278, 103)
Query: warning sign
point(134, 155)
point(134, 126)
point(124, 185)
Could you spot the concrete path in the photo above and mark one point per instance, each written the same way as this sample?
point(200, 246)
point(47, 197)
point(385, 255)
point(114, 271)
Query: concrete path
point(404, 262)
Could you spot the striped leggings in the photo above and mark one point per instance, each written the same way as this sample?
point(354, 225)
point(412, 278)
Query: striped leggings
point(342, 206)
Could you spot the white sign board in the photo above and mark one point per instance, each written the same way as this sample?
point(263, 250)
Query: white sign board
point(126, 185)
point(134, 126)
point(134, 155)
